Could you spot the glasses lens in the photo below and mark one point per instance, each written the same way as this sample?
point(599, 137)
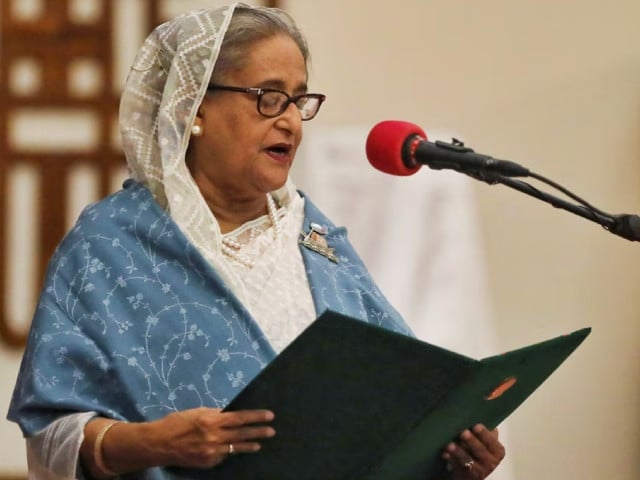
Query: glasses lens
point(308, 107)
point(272, 104)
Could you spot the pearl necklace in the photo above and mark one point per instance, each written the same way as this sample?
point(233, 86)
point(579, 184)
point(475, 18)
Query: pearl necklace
point(231, 248)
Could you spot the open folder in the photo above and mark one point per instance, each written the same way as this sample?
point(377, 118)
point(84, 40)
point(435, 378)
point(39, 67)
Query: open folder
point(354, 401)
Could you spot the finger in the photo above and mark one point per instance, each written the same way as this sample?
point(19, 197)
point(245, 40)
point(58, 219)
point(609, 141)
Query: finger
point(245, 417)
point(244, 440)
point(224, 450)
point(239, 448)
point(489, 440)
point(486, 459)
point(457, 456)
point(221, 451)
point(250, 433)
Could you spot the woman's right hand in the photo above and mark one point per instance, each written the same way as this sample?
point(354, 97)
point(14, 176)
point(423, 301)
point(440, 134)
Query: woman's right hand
point(204, 437)
point(196, 438)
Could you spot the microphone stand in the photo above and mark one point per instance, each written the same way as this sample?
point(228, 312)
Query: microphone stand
point(623, 225)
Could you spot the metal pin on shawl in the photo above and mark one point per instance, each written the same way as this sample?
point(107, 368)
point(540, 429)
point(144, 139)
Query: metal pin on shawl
point(315, 240)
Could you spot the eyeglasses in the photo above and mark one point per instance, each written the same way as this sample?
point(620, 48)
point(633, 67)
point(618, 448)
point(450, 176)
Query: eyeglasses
point(272, 102)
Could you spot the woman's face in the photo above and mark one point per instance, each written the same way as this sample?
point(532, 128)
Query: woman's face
point(243, 155)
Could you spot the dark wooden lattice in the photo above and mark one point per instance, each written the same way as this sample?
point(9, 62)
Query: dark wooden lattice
point(54, 41)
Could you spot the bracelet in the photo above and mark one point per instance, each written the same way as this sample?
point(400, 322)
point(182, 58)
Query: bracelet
point(97, 452)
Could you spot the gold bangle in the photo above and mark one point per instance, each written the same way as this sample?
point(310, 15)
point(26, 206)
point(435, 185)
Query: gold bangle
point(97, 452)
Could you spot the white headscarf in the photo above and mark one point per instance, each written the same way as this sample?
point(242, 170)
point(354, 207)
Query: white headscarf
point(161, 97)
point(164, 89)
point(163, 92)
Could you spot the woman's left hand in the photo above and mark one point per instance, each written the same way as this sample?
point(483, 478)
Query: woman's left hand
point(475, 455)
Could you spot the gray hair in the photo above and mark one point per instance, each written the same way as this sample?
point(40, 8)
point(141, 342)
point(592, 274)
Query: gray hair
point(249, 25)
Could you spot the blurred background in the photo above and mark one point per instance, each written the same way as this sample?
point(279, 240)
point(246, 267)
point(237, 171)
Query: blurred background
point(480, 269)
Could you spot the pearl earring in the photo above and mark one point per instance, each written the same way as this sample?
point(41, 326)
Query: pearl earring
point(196, 130)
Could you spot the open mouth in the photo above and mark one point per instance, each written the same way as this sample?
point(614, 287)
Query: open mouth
point(279, 150)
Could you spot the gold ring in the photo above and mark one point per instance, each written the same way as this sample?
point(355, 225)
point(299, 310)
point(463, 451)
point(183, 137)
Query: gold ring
point(469, 465)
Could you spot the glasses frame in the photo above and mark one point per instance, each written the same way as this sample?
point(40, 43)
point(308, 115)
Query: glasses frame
point(259, 92)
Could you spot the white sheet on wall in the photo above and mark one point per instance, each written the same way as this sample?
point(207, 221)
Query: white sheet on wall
point(418, 235)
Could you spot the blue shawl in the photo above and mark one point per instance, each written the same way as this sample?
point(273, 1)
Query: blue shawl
point(134, 324)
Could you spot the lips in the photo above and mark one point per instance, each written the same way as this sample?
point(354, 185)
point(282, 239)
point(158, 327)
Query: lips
point(280, 151)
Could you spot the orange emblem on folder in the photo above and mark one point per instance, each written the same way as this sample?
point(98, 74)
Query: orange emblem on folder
point(506, 384)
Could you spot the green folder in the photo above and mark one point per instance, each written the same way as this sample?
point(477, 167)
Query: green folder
point(354, 401)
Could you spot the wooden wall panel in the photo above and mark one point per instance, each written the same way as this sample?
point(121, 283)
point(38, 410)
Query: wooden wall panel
point(49, 44)
point(52, 42)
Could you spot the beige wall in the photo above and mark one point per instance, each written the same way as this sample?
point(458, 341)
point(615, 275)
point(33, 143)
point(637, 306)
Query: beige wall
point(554, 85)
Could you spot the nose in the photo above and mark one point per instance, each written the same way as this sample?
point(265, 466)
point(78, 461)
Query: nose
point(290, 119)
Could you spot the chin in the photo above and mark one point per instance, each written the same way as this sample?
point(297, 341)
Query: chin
point(275, 182)
point(276, 186)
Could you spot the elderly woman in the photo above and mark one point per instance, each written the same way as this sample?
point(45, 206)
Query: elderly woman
point(169, 296)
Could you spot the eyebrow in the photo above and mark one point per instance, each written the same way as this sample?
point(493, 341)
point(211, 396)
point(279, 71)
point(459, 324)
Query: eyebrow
point(280, 85)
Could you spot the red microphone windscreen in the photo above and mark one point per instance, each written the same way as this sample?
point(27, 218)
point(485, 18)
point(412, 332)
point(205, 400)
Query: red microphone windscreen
point(385, 143)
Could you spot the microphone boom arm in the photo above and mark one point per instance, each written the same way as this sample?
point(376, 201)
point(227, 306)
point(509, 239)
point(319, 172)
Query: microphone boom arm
point(624, 225)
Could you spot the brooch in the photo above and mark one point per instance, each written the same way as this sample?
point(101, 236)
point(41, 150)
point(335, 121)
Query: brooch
point(314, 240)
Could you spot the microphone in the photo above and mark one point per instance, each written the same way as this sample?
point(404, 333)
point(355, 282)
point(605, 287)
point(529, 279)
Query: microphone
point(401, 148)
